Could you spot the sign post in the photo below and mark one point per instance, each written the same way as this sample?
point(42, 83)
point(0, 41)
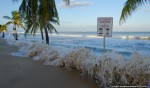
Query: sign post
point(104, 28)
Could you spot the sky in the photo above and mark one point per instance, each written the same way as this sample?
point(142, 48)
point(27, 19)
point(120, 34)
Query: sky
point(81, 15)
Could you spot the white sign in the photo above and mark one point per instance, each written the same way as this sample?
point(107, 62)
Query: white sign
point(104, 26)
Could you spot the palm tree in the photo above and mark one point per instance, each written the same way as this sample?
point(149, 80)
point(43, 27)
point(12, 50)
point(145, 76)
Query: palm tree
point(15, 20)
point(32, 27)
point(3, 28)
point(40, 14)
point(130, 7)
point(32, 9)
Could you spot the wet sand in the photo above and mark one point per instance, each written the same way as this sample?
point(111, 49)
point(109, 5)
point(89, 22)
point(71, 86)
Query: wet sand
point(23, 72)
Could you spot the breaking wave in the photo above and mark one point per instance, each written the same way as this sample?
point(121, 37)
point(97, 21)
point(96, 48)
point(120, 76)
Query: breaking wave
point(136, 37)
point(95, 36)
point(109, 69)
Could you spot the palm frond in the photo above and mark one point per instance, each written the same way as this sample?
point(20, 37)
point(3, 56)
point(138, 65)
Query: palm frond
point(35, 28)
point(130, 7)
point(28, 28)
point(22, 8)
point(51, 28)
point(27, 31)
point(8, 23)
point(7, 17)
point(55, 21)
point(21, 25)
point(3, 28)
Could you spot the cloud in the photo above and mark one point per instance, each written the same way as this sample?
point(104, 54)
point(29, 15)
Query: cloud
point(74, 4)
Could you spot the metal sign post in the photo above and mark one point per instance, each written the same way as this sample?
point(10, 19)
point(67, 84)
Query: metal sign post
point(104, 28)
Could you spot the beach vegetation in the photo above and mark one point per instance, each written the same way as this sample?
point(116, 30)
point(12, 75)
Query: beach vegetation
point(130, 7)
point(3, 28)
point(40, 14)
point(15, 20)
point(32, 27)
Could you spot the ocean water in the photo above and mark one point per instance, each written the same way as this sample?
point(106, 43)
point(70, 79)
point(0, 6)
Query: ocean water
point(123, 42)
point(126, 57)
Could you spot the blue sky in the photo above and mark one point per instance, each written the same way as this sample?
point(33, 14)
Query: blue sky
point(82, 15)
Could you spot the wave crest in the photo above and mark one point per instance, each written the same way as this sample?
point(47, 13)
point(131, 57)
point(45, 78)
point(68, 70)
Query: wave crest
point(136, 37)
point(109, 69)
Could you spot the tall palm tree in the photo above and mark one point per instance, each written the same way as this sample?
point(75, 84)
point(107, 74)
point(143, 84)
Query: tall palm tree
point(40, 13)
point(3, 28)
point(32, 9)
point(130, 7)
point(15, 20)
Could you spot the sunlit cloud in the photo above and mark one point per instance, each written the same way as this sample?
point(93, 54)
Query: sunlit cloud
point(74, 3)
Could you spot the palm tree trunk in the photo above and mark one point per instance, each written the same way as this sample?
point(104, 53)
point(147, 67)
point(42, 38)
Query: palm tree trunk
point(46, 35)
point(15, 32)
point(3, 35)
point(42, 35)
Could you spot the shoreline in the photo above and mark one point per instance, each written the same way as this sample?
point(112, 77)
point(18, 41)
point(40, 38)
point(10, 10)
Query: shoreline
point(23, 72)
point(110, 69)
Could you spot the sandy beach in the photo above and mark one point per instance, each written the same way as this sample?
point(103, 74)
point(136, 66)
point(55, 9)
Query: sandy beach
point(23, 72)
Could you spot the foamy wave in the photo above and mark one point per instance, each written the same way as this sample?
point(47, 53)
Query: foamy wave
point(109, 69)
point(69, 35)
point(136, 37)
point(88, 36)
point(95, 36)
point(92, 36)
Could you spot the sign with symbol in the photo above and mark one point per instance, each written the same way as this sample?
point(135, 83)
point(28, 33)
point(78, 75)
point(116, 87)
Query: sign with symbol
point(104, 26)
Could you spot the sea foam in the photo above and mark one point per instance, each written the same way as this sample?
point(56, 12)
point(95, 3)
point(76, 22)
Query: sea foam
point(109, 69)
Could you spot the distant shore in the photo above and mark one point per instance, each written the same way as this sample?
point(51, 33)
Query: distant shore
point(23, 72)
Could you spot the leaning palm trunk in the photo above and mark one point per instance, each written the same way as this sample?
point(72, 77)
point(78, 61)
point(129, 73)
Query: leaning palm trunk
point(15, 32)
point(46, 35)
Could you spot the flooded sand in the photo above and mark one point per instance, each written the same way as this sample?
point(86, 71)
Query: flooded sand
point(23, 72)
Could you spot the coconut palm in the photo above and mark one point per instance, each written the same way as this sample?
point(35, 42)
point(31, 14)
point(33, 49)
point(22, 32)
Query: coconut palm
point(15, 20)
point(40, 14)
point(42, 10)
point(3, 28)
point(130, 7)
point(32, 27)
